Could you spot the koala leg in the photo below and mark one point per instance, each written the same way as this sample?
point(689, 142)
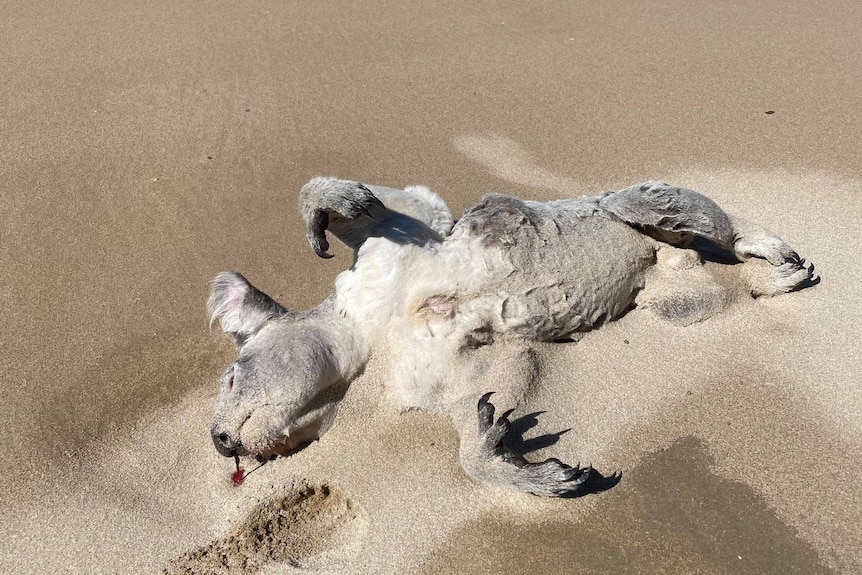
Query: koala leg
point(786, 270)
point(325, 202)
point(484, 457)
point(678, 215)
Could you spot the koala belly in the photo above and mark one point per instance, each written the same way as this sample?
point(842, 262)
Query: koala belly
point(566, 268)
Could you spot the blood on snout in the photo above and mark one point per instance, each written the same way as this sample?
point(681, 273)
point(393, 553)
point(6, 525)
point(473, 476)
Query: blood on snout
point(237, 476)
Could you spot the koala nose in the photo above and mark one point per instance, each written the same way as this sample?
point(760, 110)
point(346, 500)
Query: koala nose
point(224, 443)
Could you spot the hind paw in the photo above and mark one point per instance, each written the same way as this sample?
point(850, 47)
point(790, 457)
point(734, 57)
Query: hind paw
point(765, 246)
point(768, 280)
point(792, 275)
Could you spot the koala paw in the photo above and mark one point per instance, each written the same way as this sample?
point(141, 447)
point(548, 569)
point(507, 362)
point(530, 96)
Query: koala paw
point(550, 478)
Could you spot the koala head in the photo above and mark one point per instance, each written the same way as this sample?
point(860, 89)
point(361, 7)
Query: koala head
point(274, 397)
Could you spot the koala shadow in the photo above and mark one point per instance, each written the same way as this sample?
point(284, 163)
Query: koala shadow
point(403, 229)
point(515, 442)
point(709, 252)
point(400, 229)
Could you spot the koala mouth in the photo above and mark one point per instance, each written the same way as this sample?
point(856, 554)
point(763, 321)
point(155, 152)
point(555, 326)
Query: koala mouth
point(293, 441)
point(299, 434)
point(270, 431)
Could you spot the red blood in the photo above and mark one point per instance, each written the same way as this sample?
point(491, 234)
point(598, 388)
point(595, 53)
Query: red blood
point(238, 476)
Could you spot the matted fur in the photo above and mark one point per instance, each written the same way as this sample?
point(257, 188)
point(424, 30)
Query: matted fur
point(434, 295)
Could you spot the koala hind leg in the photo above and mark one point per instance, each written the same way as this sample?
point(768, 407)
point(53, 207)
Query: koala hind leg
point(677, 215)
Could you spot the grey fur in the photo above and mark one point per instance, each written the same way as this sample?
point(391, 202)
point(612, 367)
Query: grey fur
point(675, 214)
point(454, 307)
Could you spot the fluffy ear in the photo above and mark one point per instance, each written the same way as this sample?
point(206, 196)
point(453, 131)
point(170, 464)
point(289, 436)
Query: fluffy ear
point(239, 306)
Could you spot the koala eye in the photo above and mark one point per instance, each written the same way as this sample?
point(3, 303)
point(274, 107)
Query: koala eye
point(228, 385)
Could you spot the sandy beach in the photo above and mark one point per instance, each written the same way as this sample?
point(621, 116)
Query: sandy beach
point(147, 146)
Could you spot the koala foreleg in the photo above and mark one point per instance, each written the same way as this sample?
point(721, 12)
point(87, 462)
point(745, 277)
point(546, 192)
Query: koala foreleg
point(485, 458)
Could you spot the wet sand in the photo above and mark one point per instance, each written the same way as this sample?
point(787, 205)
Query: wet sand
point(147, 147)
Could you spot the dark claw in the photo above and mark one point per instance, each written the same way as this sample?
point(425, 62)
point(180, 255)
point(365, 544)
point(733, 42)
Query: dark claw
point(577, 478)
point(320, 247)
point(571, 473)
point(550, 477)
point(316, 234)
point(505, 416)
point(486, 413)
point(504, 423)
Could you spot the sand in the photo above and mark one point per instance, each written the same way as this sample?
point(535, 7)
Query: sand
point(147, 146)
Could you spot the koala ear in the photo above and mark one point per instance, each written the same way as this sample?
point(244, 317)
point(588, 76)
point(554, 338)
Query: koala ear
point(239, 306)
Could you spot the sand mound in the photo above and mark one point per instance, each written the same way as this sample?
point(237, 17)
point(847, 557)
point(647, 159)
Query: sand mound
point(284, 528)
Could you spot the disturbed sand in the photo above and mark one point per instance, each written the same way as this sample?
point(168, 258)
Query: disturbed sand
point(147, 147)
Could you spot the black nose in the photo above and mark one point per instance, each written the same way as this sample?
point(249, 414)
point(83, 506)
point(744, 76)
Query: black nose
point(224, 443)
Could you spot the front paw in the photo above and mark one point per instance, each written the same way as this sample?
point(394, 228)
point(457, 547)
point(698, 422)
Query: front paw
point(550, 478)
point(346, 198)
point(322, 198)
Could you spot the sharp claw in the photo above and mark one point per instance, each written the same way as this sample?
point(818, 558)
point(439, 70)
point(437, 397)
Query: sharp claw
point(320, 250)
point(550, 477)
point(505, 425)
point(316, 233)
point(486, 413)
point(569, 474)
point(579, 475)
point(581, 479)
point(319, 244)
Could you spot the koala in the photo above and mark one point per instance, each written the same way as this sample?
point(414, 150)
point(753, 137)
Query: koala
point(433, 296)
